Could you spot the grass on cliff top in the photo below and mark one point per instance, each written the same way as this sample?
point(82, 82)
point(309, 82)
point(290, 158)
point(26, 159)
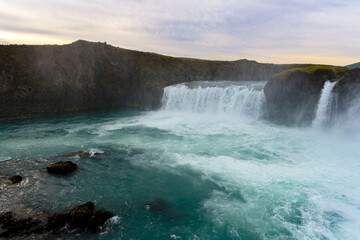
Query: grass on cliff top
point(338, 71)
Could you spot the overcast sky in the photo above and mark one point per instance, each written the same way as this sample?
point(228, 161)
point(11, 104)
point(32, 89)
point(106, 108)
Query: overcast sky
point(278, 31)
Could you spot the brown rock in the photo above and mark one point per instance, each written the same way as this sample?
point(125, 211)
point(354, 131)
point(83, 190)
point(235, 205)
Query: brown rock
point(98, 219)
point(79, 216)
point(62, 167)
point(16, 179)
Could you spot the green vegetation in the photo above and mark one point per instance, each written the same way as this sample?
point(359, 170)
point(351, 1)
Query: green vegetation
point(326, 71)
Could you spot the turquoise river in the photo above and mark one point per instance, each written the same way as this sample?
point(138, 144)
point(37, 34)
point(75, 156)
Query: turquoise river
point(209, 153)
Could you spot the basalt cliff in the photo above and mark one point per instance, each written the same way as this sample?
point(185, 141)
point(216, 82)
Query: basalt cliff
point(85, 76)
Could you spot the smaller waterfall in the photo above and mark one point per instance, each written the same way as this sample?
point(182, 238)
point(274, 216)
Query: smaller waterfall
point(325, 105)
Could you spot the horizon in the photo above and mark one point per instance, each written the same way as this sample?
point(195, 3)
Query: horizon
point(281, 32)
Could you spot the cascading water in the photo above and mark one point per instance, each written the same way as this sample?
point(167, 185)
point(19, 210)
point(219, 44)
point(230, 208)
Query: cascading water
point(216, 173)
point(244, 98)
point(325, 105)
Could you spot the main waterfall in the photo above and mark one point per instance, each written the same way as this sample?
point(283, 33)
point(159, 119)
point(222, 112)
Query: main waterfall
point(225, 97)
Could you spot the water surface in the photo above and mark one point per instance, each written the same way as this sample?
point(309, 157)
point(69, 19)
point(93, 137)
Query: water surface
point(224, 171)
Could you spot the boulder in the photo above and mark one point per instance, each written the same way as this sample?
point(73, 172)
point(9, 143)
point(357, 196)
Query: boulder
point(16, 179)
point(98, 219)
point(57, 221)
point(82, 216)
point(62, 167)
point(79, 216)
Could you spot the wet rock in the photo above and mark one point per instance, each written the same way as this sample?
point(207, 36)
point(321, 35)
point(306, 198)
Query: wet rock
point(156, 205)
point(98, 219)
point(57, 221)
point(16, 179)
point(80, 215)
point(62, 167)
point(81, 154)
point(10, 227)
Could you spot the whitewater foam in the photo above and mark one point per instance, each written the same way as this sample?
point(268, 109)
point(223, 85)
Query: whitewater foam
point(208, 97)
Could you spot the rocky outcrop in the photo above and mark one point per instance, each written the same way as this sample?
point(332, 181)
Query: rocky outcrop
point(12, 227)
point(62, 167)
point(292, 96)
point(85, 76)
point(83, 216)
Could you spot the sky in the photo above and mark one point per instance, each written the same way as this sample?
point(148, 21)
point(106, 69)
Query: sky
point(271, 31)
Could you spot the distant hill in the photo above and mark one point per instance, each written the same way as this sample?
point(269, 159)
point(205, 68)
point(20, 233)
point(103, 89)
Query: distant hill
point(352, 66)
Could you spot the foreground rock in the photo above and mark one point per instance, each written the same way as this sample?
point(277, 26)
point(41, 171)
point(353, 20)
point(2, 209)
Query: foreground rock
point(16, 179)
point(62, 167)
point(83, 216)
point(11, 227)
point(81, 154)
point(292, 96)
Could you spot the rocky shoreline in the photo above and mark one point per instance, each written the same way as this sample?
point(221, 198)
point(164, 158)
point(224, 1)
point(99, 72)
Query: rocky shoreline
point(25, 223)
point(82, 217)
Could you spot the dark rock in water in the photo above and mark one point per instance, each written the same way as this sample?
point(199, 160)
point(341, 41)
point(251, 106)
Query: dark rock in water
point(292, 96)
point(57, 221)
point(62, 167)
point(156, 205)
point(16, 179)
point(81, 154)
point(82, 216)
point(11, 227)
point(98, 219)
point(79, 216)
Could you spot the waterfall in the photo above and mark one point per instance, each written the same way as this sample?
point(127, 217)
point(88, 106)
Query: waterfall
point(325, 106)
point(223, 97)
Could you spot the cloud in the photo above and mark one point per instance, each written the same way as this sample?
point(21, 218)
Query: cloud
point(270, 31)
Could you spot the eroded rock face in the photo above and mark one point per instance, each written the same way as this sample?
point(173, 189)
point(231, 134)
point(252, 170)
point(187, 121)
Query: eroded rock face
point(62, 167)
point(292, 97)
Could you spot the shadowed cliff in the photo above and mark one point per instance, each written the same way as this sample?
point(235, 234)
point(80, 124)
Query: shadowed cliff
point(292, 96)
point(85, 76)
